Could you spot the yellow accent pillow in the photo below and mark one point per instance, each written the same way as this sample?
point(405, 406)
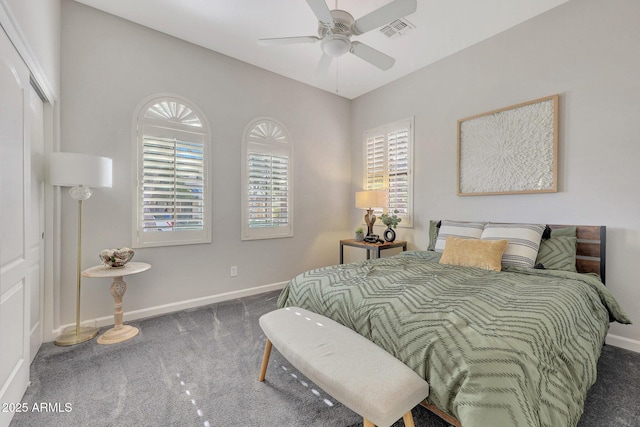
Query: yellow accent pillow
point(485, 254)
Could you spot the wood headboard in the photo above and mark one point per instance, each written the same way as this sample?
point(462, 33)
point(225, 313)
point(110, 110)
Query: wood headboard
point(590, 256)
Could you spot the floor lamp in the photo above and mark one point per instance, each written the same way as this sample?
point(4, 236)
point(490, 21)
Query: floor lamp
point(81, 172)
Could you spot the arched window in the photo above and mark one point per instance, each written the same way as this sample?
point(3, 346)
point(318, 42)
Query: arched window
point(172, 197)
point(267, 208)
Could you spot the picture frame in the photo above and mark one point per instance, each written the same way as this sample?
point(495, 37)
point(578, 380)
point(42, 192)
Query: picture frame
point(511, 150)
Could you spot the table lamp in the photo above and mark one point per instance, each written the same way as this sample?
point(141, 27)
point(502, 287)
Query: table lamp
point(79, 171)
point(369, 200)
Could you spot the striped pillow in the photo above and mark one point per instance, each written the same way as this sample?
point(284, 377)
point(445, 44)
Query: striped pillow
point(524, 242)
point(464, 230)
point(558, 253)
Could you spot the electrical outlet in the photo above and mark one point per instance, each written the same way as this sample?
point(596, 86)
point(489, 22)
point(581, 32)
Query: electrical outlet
point(234, 270)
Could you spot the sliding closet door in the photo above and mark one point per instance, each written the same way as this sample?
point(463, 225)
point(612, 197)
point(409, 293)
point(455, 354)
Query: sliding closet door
point(15, 201)
point(35, 236)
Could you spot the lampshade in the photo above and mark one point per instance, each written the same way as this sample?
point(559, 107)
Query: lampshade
point(73, 169)
point(371, 199)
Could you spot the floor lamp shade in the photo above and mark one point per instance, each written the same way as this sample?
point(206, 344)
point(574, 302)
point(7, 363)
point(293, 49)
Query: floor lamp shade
point(73, 169)
point(80, 172)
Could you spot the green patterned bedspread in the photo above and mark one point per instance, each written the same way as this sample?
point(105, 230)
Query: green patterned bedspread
point(511, 348)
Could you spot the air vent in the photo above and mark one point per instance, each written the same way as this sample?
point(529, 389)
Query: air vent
point(397, 28)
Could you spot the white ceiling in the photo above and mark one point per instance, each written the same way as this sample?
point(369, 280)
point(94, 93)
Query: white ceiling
point(232, 27)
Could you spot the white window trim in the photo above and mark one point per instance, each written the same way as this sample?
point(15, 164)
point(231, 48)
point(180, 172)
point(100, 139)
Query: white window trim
point(407, 220)
point(172, 238)
point(271, 147)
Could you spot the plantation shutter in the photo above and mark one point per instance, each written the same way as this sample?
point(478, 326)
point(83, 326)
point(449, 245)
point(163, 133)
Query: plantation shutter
point(172, 185)
point(268, 187)
point(398, 171)
point(375, 162)
point(267, 208)
point(388, 166)
point(172, 197)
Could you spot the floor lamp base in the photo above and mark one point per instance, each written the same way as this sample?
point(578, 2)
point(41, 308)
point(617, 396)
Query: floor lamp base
point(69, 337)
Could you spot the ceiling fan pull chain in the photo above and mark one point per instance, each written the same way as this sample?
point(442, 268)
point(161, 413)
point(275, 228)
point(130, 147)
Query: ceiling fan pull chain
point(337, 66)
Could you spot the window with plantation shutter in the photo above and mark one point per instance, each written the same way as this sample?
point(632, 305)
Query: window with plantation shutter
point(171, 198)
point(266, 168)
point(388, 165)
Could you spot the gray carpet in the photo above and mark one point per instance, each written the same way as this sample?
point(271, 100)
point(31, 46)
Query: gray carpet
point(199, 367)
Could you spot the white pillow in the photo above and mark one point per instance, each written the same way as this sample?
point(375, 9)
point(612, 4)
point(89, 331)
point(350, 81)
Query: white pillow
point(524, 242)
point(464, 230)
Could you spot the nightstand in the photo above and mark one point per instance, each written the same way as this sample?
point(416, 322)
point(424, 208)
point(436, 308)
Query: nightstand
point(374, 247)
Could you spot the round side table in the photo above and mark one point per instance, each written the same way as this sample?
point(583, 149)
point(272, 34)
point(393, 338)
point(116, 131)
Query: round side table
point(119, 332)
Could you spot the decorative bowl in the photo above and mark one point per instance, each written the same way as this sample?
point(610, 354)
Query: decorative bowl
point(116, 258)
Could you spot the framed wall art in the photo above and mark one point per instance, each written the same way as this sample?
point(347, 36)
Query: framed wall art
point(512, 150)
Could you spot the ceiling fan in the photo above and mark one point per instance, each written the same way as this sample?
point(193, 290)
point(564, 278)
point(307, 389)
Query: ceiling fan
point(336, 27)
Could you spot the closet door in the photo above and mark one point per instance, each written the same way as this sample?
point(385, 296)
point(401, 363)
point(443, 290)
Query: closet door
point(35, 234)
point(15, 200)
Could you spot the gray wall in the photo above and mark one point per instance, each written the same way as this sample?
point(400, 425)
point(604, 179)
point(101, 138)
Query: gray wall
point(587, 52)
point(109, 66)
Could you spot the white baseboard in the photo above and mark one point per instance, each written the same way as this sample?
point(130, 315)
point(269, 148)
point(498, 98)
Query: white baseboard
point(623, 342)
point(176, 306)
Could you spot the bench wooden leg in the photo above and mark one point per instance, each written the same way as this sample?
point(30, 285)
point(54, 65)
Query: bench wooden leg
point(265, 360)
point(408, 420)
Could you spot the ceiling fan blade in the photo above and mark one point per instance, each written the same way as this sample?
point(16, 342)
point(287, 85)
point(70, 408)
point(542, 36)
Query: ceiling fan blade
point(323, 66)
point(279, 41)
point(321, 10)
point(388, 13)
point(372, 56)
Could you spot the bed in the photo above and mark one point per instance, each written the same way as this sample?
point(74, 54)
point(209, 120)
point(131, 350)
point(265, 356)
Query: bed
point(516, 347)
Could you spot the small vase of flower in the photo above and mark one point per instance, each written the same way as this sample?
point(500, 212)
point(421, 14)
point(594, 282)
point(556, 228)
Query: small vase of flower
point(359, 234)
point(391, 221)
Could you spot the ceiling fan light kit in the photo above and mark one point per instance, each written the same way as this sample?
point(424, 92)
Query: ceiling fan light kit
point(335, 45)
point(336, 27)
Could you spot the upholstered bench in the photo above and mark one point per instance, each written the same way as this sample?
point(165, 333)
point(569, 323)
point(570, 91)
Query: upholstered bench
point(355, 371)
